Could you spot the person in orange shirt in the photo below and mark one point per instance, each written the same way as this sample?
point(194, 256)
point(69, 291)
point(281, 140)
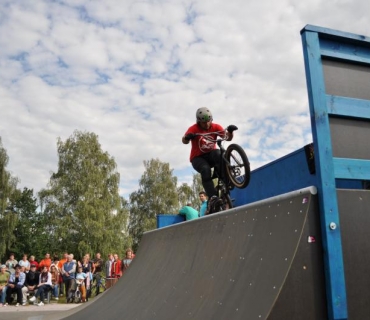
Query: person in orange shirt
point(46, 262)
point(60, 267)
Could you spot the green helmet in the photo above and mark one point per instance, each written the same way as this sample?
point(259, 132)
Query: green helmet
point(204, 115)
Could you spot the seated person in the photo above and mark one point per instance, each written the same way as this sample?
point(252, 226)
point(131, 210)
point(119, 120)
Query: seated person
point(80, 279)
point(15, 285)
point(32, 281)
point(43, 286)
point(4, 278)
point(55, 281)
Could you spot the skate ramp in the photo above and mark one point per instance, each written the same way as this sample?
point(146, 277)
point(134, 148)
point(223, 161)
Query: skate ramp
point(259, 261)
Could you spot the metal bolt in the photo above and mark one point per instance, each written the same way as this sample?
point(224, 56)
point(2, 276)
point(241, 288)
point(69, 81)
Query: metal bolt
point(332, 226)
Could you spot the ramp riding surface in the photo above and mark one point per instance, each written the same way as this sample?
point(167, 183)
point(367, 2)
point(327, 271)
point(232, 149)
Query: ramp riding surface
point(260, 261)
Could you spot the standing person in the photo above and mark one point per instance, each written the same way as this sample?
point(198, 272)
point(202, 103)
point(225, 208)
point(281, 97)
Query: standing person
point(68, 271)
point(11, 263)
point(203, 205)
point(116, 267)
point(25, 263)
point(4, 278)
point(88, 269)
point(98, 268)
point(60, 267)
point(127, 260)
point(33, 261)
point(204, 154)
point(46, 262)
point(108, 270)
point(189, 212)
point(43, 286)
point(15, 284)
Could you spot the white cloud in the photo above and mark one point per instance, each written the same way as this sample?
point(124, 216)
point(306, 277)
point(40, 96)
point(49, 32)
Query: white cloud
point(135, 72)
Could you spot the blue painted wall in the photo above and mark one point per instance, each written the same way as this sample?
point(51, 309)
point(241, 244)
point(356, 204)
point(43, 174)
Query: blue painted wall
point(283, 175)
point(164, 220)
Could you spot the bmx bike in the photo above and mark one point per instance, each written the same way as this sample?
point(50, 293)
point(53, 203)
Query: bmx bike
point(233, 169)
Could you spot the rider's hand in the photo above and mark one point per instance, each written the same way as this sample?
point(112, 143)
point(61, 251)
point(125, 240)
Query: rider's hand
point(190, 136)
point(231, 128)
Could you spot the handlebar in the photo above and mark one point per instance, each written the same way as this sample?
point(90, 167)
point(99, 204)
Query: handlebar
point(220, 134)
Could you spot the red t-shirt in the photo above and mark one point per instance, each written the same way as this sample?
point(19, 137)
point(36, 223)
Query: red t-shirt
point(200, 144)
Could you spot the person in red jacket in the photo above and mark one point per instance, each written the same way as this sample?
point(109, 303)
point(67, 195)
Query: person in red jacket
point(33, 261)
point(204, 154)
point(116, 267)
point(46, 262)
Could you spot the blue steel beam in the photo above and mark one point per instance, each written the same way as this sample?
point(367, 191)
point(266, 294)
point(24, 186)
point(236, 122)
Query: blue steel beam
point(329, 215)
point(349, 107)
point(351, 168)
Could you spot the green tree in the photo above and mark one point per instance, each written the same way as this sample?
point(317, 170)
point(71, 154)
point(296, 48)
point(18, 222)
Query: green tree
point(86, 213)
point(30, 229)
point(157, 194)
point(190, 194)
point(8, 217)
point(185, 193)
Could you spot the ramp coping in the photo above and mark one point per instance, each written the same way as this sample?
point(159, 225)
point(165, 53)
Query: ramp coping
point(283, 196)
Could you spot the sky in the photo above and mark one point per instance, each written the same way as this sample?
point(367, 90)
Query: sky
point(135, 72)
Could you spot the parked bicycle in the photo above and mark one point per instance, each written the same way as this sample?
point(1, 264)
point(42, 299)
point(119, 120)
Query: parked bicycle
point(234, 168)
point(97, 286)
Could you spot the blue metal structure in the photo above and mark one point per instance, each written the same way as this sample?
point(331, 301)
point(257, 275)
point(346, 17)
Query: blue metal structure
point(164, 220)
point(283, 175)
point(338, 79)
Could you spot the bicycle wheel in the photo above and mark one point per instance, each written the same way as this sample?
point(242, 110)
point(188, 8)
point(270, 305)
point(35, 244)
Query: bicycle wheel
point(226, 201)
point(238, 168)
point(77, 298)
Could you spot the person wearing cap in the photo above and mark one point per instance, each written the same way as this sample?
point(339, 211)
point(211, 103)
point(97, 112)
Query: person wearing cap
point(15, 285)
point(31, 283)
point(4, 278)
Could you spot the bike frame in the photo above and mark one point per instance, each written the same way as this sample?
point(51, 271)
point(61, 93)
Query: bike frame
point(223, 185)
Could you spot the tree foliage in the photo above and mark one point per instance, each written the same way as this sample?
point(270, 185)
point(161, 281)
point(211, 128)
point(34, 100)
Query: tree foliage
point(80, 210)
point(31, 225)
point(86, 213)
point(8, 216)
point(157, 194)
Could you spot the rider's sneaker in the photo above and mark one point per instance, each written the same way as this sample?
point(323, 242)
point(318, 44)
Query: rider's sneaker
point(214, 205)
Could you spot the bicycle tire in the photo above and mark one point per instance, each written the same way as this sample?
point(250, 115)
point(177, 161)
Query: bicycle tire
point(227, 202)
point(77, 297)
point(238, 167)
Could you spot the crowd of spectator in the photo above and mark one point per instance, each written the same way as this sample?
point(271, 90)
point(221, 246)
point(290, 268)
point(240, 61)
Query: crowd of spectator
point(30, 281)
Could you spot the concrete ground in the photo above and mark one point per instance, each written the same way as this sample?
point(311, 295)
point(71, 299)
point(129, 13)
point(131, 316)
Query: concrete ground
point(34, 312)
